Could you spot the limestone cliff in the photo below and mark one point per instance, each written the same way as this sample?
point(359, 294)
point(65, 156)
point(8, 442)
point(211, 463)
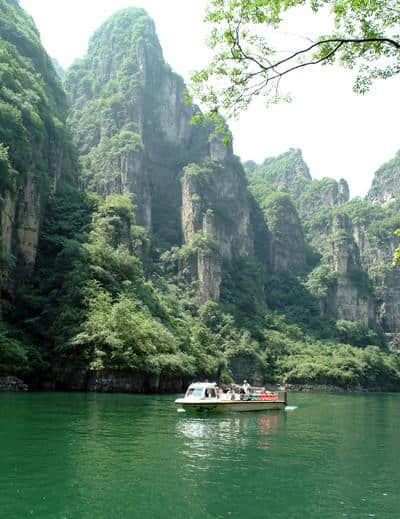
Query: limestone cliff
point(377, 250)
point(215, 206)
point(130, 121)
point(357, 239)
point(286, 249)
point(34, 147)
point(289, 219)
point(326, 227)
point(132, 127)
point(386, 183)
point(353, 297)
point(290, 174)
point(320, 194)
point(287, 172)
point(378, 242)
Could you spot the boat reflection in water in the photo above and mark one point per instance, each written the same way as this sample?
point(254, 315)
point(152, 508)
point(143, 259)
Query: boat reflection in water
point(227, 428)
point(268, 423)
point(210, 433)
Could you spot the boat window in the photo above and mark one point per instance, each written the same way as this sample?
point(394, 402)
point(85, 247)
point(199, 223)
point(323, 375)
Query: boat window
point(210, 393)
point(194, 392)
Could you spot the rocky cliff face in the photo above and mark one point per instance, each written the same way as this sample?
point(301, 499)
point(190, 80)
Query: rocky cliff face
point(132, 127)
point(215, 201)
point(287, 172)
point(352, 296)
point(288, 218)
point(376, 259)
point(130, 121)
point(352, 245)
point(287, 247)
point(216, 213)
point(386, 184)
point(320, 194)
point(275, 185)
point(36, 154)
point(374, 233)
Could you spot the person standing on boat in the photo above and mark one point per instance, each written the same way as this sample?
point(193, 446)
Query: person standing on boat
point(246, 387)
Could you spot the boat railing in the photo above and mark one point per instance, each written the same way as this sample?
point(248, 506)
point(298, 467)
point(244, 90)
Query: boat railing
point(257, 389)
point(260, 393)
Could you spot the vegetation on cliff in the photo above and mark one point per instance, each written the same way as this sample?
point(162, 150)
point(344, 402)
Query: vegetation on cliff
point(32, 101)
point(348, 248)
point(156, 254)
point(35, 151)
point(287, 172)
point(386, 184)
point(103, 103)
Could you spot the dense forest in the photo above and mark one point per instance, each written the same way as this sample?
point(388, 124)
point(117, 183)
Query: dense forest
point(138, 253)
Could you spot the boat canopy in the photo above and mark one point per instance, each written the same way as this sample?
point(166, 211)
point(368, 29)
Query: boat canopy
point(202, 385)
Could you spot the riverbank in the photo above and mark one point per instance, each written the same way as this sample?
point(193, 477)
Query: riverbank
point(326, 388)
point(10, 383)
point(137, 383)
point(111, 382)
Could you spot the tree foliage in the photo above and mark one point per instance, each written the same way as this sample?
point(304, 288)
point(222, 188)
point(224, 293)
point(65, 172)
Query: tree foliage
point(248, 63)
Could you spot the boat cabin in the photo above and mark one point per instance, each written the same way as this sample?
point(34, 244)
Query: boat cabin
point(201, 391)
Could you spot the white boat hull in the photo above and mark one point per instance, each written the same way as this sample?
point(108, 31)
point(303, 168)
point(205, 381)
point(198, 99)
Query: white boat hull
point(223, 406)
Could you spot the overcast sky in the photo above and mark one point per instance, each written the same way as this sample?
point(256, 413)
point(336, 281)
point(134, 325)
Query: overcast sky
point(341, 134)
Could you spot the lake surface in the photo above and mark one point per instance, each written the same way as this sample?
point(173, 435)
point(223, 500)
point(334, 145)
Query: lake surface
point(129, 456)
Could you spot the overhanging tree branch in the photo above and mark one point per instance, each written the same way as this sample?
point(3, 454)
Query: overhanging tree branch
point(339, 41)
point(365, 38)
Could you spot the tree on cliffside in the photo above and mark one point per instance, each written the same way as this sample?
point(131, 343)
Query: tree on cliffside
point(396, 259)
point(247, 64)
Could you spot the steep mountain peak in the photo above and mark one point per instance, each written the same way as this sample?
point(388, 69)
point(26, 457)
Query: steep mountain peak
point(344, 191)
point(287, 172)
point(130, 121)
point(123, 30)
point(386, 183)
point(290, 162)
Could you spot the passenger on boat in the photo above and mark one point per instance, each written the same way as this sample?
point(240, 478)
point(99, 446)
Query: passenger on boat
point(226, 394)
point(246, 387)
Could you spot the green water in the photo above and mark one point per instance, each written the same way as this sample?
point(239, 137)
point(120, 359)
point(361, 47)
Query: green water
point(129, 456)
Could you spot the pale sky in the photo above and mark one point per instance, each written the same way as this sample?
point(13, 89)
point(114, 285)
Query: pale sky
point(341, 134)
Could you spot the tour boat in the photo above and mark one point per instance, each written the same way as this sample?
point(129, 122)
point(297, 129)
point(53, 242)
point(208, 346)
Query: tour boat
point(204, 396)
